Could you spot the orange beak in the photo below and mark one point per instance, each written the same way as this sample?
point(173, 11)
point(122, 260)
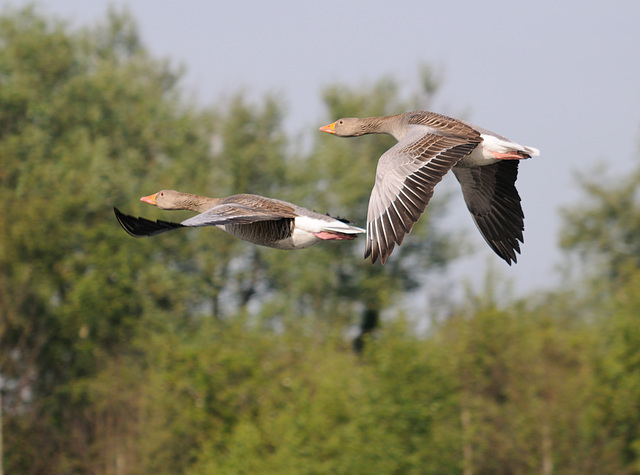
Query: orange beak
point(330, 129)
point(151, 199)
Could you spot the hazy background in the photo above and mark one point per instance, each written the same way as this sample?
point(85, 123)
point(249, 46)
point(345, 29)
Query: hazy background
point(197, 353)
point(559, 76)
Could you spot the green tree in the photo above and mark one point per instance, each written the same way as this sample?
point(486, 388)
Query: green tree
point(601, 233)
point(87, 120)
point(617, 375)
point(194, 352)
point(514, 368)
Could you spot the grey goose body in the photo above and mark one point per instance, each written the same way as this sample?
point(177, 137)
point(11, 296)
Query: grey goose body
point(253, 218)
point(429, 145)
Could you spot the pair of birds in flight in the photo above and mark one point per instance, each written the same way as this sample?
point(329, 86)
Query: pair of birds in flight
point(429, 146)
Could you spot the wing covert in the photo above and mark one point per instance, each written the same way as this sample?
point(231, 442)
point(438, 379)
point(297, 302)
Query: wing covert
point(405, 178)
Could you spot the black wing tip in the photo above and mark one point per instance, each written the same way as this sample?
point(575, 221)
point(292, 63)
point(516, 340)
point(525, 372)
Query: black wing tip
point(510, 259)
point(142, 227)
point(383, 255)
point(126, 222)
point(368, 252)
point(374, 251)
point(508, 251)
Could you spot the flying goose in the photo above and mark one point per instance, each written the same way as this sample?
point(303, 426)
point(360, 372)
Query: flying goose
point(263, 221)
point(429, 145)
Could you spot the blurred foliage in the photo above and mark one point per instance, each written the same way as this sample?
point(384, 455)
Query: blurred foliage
point(193, 352)
point(604, 231)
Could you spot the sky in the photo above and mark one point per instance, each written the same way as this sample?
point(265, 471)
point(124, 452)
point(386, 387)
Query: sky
point(561, 76)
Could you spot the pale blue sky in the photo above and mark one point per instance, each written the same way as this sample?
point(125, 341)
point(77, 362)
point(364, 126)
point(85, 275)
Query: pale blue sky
point(562, 76)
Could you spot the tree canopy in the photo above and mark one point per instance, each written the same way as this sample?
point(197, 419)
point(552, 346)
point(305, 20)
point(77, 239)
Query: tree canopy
point(193, 352)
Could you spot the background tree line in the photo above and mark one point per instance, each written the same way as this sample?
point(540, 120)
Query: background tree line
point(193, 352)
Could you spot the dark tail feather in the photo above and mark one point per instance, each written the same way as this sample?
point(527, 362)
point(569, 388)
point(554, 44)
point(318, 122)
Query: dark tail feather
point(140, 227)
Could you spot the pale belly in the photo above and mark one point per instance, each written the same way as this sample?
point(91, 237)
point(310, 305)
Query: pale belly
point(298, 240)
point(477, 158)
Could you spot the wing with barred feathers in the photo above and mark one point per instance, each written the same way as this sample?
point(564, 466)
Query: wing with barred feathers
point(406, 176)
point(494, 203)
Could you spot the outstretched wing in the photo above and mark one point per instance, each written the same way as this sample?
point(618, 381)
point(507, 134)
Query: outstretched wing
point(493, 201)
point(232, 213)
point(141, 227)
point(405, 178)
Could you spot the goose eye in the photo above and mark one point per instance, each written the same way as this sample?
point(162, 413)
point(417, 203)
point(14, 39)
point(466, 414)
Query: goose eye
point(341, 122)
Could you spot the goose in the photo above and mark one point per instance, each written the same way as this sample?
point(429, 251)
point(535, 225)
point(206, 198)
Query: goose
point(263, 221)
point(429, 145)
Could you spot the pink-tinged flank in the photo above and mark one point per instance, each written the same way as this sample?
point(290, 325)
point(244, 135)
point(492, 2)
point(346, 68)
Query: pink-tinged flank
point(509, 155)
point(325, 236)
